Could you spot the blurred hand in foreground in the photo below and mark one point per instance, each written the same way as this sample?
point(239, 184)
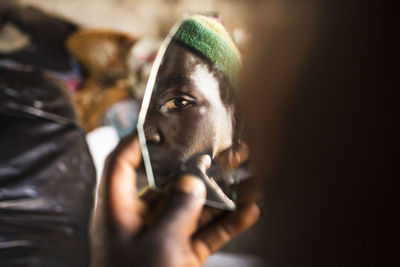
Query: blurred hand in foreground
point(172, 237)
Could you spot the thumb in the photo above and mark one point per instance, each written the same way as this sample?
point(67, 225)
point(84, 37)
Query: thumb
point(182, 208)
point(119, 186)
point(199, 165)
point(216, 197)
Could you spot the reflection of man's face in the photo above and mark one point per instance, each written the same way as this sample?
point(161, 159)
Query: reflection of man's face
point(186, 116)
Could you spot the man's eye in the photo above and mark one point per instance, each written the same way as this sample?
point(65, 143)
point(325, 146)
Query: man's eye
point(177, 103)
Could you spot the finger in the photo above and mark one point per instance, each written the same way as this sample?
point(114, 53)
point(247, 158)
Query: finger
point(214, 236)
point(120, 179)
point(240, 156)
point(149, 194)
point(231, 159)
point(209, 214)
point(127, 150)
point(153, 201)
point(199, 165)
point(249, 191)
point(182, 207)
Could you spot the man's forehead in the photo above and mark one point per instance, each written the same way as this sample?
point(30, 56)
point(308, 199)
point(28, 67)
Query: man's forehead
point(206, 83)
point(178, 60)
point(182, 67)
point(172, 81)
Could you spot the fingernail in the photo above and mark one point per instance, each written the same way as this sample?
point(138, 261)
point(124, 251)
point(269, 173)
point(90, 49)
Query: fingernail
point(205, 162)
point(191, 185)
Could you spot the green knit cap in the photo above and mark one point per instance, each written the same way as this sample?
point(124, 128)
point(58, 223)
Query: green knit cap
point(208, 36)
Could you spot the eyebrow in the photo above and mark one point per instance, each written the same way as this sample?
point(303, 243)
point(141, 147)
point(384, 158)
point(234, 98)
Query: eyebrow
point(167, 83)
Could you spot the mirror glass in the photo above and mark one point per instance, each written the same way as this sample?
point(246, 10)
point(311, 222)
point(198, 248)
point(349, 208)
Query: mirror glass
point(189, 121)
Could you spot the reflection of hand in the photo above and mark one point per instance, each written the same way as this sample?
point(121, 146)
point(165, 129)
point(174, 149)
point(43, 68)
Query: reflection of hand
point(172, 238)
point(216, 196)
point(248, 190)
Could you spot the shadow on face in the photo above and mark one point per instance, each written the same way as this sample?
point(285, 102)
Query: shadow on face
point(186, 116)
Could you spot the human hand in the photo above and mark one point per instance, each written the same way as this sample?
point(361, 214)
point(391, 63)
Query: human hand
point(247, 189)
point(172, 237)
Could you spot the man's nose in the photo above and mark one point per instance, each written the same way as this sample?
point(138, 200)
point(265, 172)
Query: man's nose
point(152, 134)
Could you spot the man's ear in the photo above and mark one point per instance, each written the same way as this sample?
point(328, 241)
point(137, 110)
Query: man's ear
point(232, 158)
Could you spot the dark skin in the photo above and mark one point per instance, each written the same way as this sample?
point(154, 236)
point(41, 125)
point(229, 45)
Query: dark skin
point(187, 123)
point(172, 237)
point(186, 117)
point(175, 228)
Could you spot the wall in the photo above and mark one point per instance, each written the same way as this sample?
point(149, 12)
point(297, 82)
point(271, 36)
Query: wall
point(151, 18)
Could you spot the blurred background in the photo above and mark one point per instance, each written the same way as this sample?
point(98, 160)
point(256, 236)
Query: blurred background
point(101, 53)
point(318, 92)
point(142, 18)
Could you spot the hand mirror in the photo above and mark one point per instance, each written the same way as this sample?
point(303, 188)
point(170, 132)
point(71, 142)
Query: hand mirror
point(189, 121)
